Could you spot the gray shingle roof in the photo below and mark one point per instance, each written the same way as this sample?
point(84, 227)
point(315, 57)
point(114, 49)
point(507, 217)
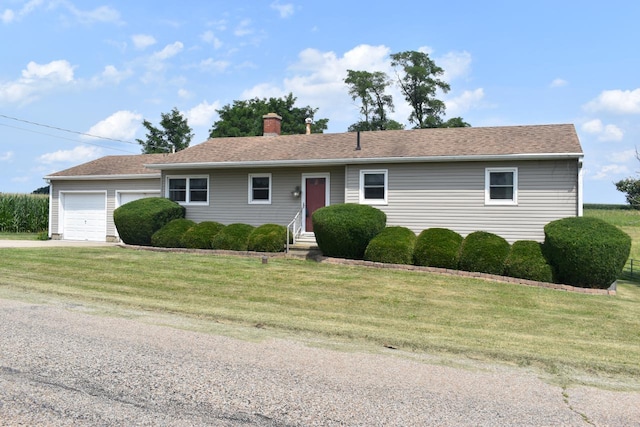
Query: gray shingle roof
point(113, 166)
point(403, 145)
point(340, 148)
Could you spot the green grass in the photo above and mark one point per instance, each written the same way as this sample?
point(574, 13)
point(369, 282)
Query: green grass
point(19, 236)
point(557, 331)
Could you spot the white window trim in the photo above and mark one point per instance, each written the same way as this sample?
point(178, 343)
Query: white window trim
point(188, 201)
point(362, 199)
point(487, 182)
point(250, 199)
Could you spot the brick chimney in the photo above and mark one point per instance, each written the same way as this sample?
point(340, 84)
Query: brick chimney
point(272, 124)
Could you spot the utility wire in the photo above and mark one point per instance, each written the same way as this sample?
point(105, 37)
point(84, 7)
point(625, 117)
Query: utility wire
point(68, 139)
point(66, 130)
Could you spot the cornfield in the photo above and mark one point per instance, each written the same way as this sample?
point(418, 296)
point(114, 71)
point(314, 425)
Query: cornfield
point(24, 213)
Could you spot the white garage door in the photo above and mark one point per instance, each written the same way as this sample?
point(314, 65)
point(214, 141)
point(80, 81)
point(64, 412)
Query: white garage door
point(85, 217)
point(130, 197)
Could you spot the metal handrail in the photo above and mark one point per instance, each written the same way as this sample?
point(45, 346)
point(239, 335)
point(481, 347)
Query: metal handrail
point(294, 227)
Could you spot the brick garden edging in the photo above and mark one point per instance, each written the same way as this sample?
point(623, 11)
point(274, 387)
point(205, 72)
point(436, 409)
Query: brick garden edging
point(405, 267)
point(473, 274)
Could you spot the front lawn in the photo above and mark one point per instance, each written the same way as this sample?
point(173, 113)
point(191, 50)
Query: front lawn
point(559, 331)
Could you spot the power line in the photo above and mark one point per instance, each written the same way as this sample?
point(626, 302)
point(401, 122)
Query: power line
point(62, 137)
point(66, 130)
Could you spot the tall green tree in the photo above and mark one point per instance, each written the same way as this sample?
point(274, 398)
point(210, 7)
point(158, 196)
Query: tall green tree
point(174, 134)
point(244, 118)
point(419, 78)
point(370, 89)
point(631, 188)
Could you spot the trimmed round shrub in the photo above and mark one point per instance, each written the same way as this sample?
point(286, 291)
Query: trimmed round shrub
point(526, 261)
point(484, 253)
point(438, 247)
point(200, 235)
point(268, 238)
point(393, 245)
point(586, 252)
point(345, 230)
point(136, 221)
point(170, 236)
point(234, 237)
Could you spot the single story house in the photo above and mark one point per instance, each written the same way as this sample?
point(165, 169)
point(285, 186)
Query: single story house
point(508, 180)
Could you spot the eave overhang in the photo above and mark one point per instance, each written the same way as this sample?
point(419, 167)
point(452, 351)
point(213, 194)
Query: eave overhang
point(101, 177)
point(358, 161)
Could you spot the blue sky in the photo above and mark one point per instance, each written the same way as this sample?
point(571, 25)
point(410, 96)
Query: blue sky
point(102, 67)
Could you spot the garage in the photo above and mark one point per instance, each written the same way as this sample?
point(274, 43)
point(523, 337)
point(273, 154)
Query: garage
point(130, 196)
point(84, 216)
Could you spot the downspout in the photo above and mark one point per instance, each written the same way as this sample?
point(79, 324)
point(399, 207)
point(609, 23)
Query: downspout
point(580, 187)
point(50, 231)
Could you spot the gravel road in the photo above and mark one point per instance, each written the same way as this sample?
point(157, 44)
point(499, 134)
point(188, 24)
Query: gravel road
point(63, 365)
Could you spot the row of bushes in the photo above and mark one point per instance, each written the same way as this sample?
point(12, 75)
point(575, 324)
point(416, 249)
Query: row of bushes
point(160, 222)
point(585, 252)
point(24, 213)
point(443, 248)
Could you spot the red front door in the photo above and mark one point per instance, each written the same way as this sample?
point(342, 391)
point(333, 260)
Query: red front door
point(315, 198)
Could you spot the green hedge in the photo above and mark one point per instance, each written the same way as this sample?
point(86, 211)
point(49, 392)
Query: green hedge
point(268, 238)
point(345, 230)
point(136, 221)
point(526, 261)
point(393, 245)
point(438, 247)
point(483, 252)
point(586, 252)
point(200, 235)
point(170, 236)
point(233, 237)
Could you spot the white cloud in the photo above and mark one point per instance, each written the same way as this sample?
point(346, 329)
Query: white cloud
point(455, 65)
point(209, 37)
point(80, 154)
point(112, 74)
point(558, 83)
point(56, 71)
point(604, 132)
point(622, 156)
point(285, 10)
point(9, 15)
point(184, 94)
point(120, 125)
point(211, 65)
point(610, 172)
point(103, 14)
point(169, 51)
point(143, 41)
point(35, 80)
point(593, 126)
point(616, 101)
point(244, 28)
point(6, 156)
point(468, 100)
point(202, 114)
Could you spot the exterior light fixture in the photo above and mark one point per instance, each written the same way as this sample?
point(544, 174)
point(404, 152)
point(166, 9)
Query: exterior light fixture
point(296, 192)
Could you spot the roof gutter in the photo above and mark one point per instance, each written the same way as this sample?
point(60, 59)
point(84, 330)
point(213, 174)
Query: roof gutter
point(100, 177)
point(351, 161)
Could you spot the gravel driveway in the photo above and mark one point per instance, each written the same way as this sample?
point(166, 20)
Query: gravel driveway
point(63, 365)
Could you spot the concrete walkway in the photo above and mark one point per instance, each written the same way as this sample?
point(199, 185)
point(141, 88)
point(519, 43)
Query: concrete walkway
point(51, 243)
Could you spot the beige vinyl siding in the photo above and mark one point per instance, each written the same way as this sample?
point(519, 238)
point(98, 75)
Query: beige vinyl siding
point(452, 195)
point(229, 194)
point(110, 186)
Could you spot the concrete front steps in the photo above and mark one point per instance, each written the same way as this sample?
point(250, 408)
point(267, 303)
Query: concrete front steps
point(305, 247)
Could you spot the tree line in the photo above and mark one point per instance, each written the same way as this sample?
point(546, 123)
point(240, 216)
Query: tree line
point(416, 75)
